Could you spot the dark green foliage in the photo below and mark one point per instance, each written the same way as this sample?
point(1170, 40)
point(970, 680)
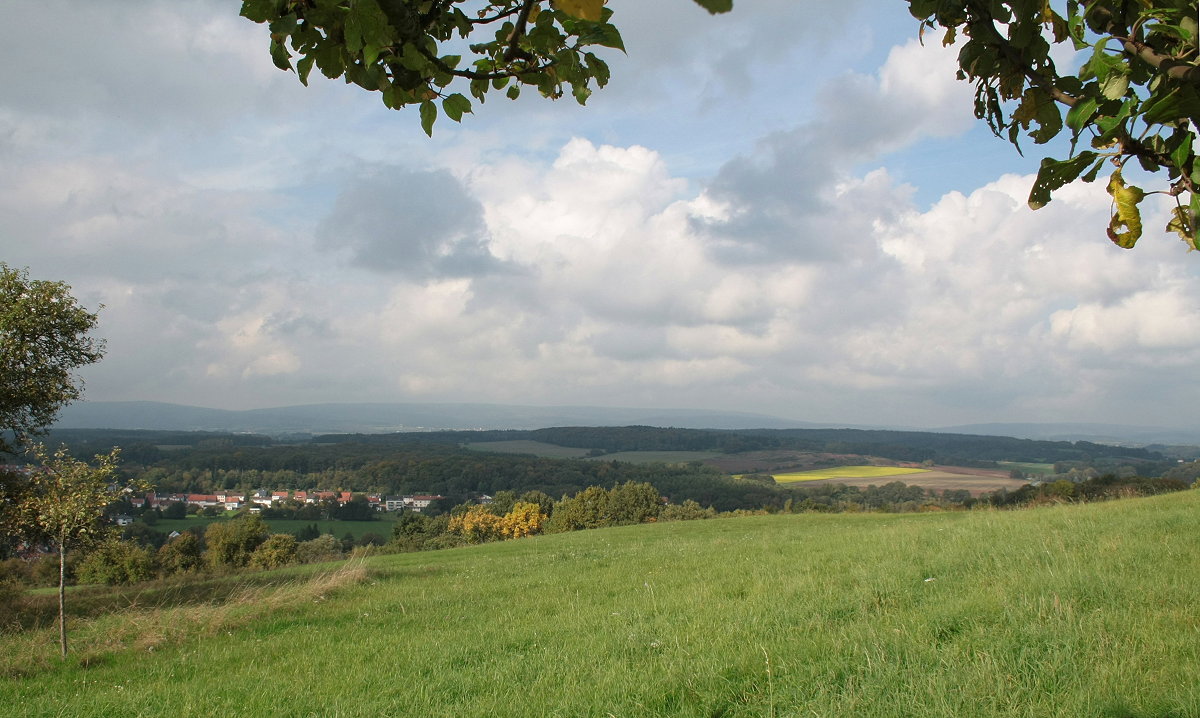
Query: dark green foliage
point(356, 509)
point(144, 535)
point(43, 341)
point(596, 507)
point(182, 554)
point(412, 52)
point(308, 533)
point(687, 511)
point(115, 561)
point(231, 543)
point(323, 548)
point(278, 550)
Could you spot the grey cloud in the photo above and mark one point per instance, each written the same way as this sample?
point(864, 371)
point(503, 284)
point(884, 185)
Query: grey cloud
point(782, 196)
point(418, 223)
point(628, 343)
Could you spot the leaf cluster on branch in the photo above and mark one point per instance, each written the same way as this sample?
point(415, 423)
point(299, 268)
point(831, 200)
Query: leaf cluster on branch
point(1131, 92)
point(425, 52)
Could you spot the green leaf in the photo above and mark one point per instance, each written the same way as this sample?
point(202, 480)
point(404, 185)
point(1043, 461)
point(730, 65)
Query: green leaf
point(514, 92)
point(304, 66)
point(1115, 85)
point(1054, 174)
point(365, 25)
point(1079, 115)
point(719, 6)
point(280, 56)
point(455, 105)
point(1181, 102)
point(428, 115)
point(260, 10)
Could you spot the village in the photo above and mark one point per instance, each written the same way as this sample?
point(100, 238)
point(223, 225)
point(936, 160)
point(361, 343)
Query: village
point(258, 500)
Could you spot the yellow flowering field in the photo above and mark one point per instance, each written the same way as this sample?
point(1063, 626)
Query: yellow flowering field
point(846, 472)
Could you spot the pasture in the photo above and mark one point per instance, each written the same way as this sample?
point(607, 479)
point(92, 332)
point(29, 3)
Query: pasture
point(1070, 610)
point(523, 446)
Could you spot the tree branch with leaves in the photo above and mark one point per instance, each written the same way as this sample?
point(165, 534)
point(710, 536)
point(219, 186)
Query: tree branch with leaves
point(1134, 97)
point(434, 54)
point(44, 338)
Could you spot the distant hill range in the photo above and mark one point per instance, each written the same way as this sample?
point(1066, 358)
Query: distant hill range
point(380, 418)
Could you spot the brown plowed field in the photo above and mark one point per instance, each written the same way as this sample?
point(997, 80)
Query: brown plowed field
point(940, 478)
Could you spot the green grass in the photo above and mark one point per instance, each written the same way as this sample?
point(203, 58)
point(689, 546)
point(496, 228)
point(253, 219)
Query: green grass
point(536, 448)
point(1028, 468)
point(383, 526)
point(553, 451)
point(846, 472)
point(1062, 611)
point(658, 457)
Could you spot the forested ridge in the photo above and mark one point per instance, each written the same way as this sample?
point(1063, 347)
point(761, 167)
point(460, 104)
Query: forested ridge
point(438, 463)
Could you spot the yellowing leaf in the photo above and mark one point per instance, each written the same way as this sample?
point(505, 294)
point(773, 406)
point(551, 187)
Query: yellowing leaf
point(1127, 215)
point(1182, 224)
point(582, 9)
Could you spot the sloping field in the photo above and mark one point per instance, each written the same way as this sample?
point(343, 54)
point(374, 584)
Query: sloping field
point(848, 472)
point(526, 446)
point(938, 481)
point(1065, 611)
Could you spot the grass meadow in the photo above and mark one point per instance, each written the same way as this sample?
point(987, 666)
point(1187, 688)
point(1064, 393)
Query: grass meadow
point(847, 472)
point(1070, 610)
point(528, 446)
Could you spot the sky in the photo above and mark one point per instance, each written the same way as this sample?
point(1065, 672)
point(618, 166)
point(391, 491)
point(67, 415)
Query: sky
point(787, 210)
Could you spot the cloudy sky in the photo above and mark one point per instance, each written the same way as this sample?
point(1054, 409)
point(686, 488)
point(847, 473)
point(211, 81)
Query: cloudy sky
point(787, 210)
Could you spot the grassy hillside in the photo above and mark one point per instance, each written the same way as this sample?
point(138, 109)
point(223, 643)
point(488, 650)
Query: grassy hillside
point(1066, 611)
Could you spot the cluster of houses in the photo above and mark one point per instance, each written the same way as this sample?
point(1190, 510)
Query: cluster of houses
point(258, 500)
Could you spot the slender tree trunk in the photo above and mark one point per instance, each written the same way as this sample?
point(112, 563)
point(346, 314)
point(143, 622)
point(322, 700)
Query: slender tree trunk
point(62, 598)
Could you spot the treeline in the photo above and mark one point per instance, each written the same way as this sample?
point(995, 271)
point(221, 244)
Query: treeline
point(916, 446)
point(327, 452)
point(433, 468)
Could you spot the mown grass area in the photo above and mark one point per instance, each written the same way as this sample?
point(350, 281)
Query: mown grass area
point(383, 526)
point(658, 457)
point(846, 472)
point(1030, 469)
point(1074, 610)
point(524, 446)
point(553, 451)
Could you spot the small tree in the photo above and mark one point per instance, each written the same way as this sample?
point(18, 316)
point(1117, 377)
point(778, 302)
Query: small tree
point(63, 506)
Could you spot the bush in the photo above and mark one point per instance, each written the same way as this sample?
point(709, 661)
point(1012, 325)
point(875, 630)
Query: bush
point(278, 550)
point(115, 562)
point(182, 554)
point(231, 543)
point(689, 510)
point(322, 548)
